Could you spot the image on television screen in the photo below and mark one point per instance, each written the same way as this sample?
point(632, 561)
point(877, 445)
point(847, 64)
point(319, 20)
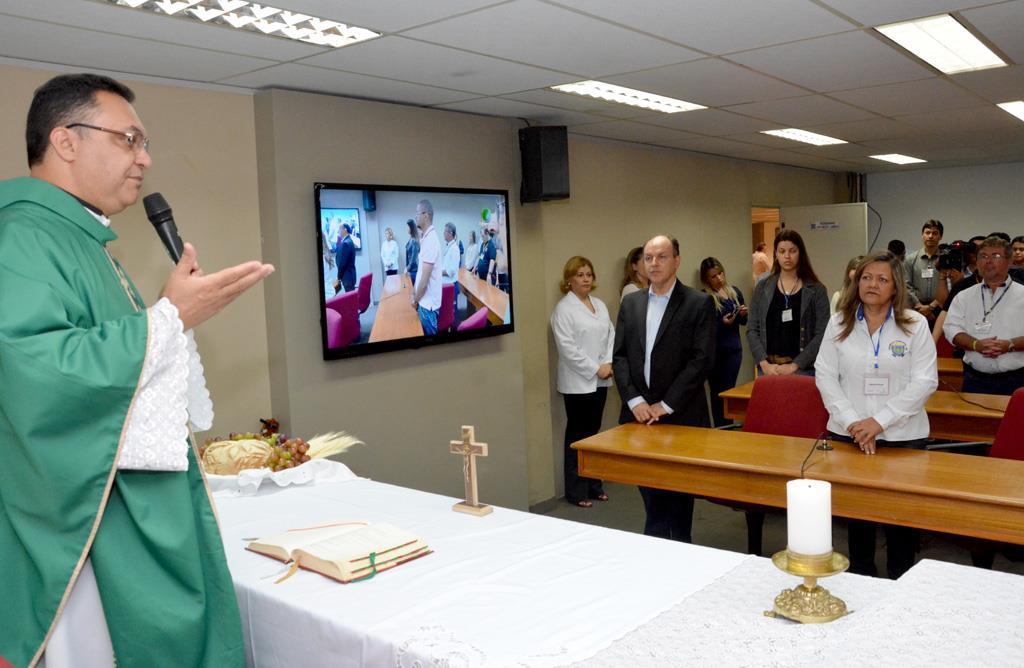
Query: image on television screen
point(403, 267)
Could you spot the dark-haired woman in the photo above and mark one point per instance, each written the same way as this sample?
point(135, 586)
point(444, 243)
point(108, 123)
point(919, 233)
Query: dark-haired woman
point(412, 251)
point(633, 277)
point(788, 312)
point(731, 313)
point(584, 336)
point(875, 369)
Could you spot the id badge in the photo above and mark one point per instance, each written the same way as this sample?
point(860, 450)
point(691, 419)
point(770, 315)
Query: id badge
point(982, 329)
point(928, 273)
point(787, 315)
point(876, 384)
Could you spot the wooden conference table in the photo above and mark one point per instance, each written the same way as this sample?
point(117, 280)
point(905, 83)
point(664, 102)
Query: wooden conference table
point(951, 373)
point(950, 416)
point(396, 318)
point(938, 491)
point(482, 294)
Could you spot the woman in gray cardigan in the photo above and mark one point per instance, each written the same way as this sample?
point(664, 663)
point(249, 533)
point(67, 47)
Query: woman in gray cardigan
point(788, 311)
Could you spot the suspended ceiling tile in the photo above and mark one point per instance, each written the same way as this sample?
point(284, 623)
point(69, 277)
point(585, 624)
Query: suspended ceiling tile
point(1002, 84)
point(801, 111)
point(77, 47)
point(962, 120)
point(872, 128)
point(548, 36)
point(836, 62)
point(383, 15)
point(713, 122)
point(107, 18)
point(910, 97)
point(880, 12)
point(1003, 24)
point(631, 131)
point(710, 82)
point(322, 80)
point(496, 106)
point(719, 27)
point(553, 98)
point(432, 65)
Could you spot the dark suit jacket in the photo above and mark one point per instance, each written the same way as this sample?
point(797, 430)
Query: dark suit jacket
point(347, 262)
point(681, 359)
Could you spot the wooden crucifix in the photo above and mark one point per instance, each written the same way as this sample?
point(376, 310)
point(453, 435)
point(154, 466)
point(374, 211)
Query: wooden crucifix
point(470, 450)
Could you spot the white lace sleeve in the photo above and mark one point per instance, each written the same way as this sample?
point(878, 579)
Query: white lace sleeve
point(200, 408)
point(157, 435)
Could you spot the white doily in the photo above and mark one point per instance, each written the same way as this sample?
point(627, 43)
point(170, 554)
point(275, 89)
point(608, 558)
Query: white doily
point(157, 435)
point(724, 623)
point(247, 482)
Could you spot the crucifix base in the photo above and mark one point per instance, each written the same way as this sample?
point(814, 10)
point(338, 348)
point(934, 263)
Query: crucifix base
point(479, 510)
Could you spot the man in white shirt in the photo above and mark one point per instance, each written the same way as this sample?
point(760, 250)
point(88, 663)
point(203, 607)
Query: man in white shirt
point(987, 321)
point(664, 349)
point(389, 253)
point(450, 266)
point(426, 297)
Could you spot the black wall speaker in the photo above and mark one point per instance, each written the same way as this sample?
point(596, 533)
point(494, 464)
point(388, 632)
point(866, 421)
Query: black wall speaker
point(545, 154)
point(369, 200)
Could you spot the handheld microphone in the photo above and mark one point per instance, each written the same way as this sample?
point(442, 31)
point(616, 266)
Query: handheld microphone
point(159, 213)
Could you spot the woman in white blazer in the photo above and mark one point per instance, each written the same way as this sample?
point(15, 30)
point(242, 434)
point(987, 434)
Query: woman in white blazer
point(584, 336)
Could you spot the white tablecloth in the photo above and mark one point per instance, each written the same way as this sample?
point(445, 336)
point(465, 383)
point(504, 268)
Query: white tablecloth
point(509, 588)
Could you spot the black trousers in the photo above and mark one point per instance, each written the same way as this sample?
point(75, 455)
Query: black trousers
point(669, 514)
point(900, 541)
point(992, 383)
point(582, 419)
point(723, 377)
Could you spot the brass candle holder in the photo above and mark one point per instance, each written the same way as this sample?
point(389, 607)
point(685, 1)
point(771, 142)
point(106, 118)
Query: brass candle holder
point(809, 603)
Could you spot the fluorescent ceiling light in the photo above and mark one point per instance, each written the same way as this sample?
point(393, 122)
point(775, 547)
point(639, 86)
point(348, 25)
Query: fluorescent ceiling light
point(256, 18)
point(621, 95)
point(1015, 108)
point(944, 43)
point(898, 159)
point(804, 136)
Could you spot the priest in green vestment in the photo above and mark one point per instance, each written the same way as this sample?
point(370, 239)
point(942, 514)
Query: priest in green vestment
point(100, 490)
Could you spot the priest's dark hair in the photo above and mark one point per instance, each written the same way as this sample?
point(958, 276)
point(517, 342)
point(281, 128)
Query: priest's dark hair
point(62, 100)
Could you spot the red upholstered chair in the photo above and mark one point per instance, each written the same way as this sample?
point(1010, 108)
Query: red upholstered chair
point(347, 305)
point(944, 348)
point(333, 319)
point(365, 283)
point(1009, 441)
point(476, 321)
point(446, 317)
point(781, 406)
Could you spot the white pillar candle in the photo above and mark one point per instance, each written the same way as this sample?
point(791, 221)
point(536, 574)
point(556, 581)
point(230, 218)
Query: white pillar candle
point(809, 516)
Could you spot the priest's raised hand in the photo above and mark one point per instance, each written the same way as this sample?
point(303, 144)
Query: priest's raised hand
point(199, 296)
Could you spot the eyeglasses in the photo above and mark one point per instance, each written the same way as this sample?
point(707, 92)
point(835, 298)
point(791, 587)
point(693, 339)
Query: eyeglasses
point(136, 141)
point(995, 257)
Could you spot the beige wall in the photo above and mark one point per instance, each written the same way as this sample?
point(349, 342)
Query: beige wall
point(407, 405)
point(204, 162)
point(621, 195)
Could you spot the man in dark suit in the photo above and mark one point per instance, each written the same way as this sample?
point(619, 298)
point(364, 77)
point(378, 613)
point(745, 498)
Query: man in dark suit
point(664, 348)
point(346, 260)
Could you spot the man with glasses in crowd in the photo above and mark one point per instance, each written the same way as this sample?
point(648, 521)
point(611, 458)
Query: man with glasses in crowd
point(987, 321)
point(109, 539)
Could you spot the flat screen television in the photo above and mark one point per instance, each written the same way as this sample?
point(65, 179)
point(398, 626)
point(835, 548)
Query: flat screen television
point(373, 244)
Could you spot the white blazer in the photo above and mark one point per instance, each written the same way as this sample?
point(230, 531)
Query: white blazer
point(584, 342)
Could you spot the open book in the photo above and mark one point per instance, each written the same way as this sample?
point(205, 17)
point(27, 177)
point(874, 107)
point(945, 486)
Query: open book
point(345, 552)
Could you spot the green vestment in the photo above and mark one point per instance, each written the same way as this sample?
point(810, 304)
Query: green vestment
point(72, 348)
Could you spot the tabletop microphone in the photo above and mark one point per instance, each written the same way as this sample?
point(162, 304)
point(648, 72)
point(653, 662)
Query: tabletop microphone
point(159, 213)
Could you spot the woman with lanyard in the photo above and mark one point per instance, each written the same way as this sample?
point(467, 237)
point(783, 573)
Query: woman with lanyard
point(788, 311)
point(875, 369)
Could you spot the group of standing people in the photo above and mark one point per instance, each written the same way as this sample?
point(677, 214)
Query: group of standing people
point(874, 359)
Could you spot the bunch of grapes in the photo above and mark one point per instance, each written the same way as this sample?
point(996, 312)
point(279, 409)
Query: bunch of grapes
point(285, 453)
point(289, 453)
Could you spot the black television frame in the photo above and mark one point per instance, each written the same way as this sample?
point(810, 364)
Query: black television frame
point(361, 349)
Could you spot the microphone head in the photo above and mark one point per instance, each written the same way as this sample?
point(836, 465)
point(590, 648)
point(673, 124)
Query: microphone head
point(157, 208)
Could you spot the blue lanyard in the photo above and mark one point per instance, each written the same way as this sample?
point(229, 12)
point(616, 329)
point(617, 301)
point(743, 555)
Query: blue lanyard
point(786, 295)
point(985, 313)
point(876, 345)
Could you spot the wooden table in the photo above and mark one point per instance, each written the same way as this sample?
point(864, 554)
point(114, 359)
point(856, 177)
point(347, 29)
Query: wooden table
point(949, 415)
point(396, 318)
point(938, 491)
point(951, 373)
point(482, 294)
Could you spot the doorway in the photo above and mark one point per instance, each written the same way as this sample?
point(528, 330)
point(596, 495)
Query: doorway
point(764, 224)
